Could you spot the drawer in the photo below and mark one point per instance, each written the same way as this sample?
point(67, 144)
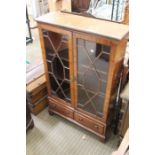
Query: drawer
point(39, 106)
point(38, 96)
point(64, 111)
point(89, 123)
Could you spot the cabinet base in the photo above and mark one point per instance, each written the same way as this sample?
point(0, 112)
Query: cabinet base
point(101, 136)
point(50, 112)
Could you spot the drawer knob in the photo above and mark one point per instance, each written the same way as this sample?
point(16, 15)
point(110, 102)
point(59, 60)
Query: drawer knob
point(81, 119)
point(96, 126)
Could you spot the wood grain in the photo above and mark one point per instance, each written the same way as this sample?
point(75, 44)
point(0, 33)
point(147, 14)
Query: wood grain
point(101, 32)
point(104, 28)
point(36, 83)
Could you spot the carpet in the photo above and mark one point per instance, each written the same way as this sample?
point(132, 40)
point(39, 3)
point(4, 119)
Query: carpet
point(53, 135)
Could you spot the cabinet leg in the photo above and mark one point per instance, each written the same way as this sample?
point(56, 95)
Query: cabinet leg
point(50, 112)
point(31, 125)
point(102, 140)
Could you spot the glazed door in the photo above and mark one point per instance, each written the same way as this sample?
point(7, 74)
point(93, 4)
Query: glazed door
point(58, 60)
point(91, 61)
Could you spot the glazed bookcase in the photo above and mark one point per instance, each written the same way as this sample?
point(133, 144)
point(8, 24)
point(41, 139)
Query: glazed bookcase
point(82, 68)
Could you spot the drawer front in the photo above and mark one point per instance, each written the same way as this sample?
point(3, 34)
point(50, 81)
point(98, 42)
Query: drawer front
point(38, 96)
point(61, 110)
point(89, 123)
point(36, 108)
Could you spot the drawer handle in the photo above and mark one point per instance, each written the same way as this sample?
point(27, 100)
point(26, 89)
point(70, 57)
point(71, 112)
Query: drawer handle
point(81, 119)
point(96, 126)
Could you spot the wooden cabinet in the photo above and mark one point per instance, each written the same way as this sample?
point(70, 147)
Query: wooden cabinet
point(83, 58)
point(36, 93)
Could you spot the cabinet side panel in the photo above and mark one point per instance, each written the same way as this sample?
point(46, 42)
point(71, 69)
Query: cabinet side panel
point(115, 69)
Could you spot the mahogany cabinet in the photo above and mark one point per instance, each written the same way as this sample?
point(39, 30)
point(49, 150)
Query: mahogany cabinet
point(82, 58)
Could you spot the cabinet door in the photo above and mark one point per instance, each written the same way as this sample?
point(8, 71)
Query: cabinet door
point(58, 53)
point(91, 57)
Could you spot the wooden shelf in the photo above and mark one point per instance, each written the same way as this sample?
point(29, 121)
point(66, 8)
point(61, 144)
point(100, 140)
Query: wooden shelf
point(60, 78)
point(63, 54)
point(60, 95)
point(98, 71)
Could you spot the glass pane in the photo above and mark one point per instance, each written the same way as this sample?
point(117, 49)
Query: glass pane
point(113, 10)
point(56, 47)
point(92, 75)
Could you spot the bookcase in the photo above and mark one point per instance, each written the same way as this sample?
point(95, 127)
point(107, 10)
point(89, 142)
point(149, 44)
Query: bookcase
point(83, 60)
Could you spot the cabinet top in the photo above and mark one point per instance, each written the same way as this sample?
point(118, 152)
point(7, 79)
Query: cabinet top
point(104, 28)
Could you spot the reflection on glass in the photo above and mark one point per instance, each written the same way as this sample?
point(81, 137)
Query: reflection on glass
point(92, 75)
point(113, 10)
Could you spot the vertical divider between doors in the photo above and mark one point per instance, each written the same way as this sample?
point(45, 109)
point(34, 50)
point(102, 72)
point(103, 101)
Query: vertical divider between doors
point(71, 66)
point(74, 69)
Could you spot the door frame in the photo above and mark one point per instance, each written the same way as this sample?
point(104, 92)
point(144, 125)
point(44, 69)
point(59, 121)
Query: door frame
point(58, 30)
point(100, 40)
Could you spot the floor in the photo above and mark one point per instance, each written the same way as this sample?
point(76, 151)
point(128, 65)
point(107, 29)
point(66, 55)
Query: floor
point(33, 50)
point(53, 135)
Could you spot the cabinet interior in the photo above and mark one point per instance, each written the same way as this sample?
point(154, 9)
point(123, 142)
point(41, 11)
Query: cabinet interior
point(92, 69)
point(56, 48)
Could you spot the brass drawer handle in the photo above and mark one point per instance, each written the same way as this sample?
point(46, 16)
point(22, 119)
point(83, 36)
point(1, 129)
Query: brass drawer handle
point(96, 126)
point(81, 119)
